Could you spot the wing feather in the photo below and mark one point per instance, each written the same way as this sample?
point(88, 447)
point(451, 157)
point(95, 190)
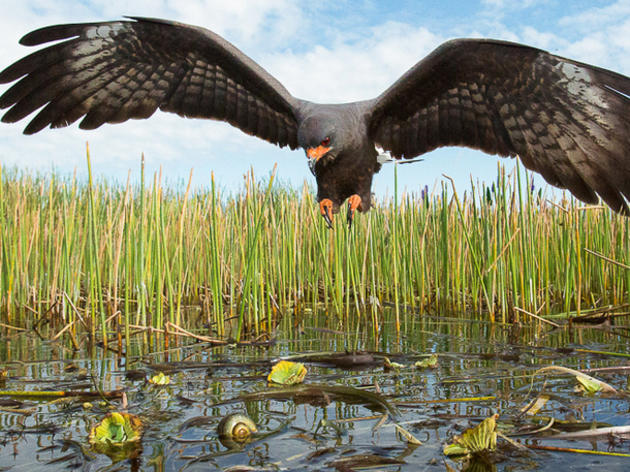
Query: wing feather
point(111, 72)
point(567, 120)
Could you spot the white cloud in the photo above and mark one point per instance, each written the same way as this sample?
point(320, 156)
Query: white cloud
point(597, 17)
point(351, 70)
point(512, 4)
point(508, 6)
point(243, 20)
point(601, 36)
point(543, 40)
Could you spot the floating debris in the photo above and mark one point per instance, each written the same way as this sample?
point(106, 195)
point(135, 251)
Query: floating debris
point(577, 451)
point(52, 394)
point(589, 383)
point(535, 405)
point(318, 394)
point(410, 438)
point(364, 461)
point(620, 432)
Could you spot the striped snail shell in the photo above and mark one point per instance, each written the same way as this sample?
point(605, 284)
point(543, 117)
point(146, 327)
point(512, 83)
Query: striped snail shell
point(236, 426)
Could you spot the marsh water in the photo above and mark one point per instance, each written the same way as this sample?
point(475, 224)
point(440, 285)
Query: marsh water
point(482, 369)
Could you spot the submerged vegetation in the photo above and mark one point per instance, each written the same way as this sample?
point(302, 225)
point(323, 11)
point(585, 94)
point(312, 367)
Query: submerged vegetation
point(105, 257)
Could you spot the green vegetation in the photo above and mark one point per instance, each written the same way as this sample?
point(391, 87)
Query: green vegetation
point(96, 256)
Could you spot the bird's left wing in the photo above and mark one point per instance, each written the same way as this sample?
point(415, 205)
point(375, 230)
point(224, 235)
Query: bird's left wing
point(111, 72)
point(567, 120)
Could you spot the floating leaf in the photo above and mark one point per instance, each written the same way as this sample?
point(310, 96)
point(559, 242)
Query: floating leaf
point(482, 437)
point(287, 373)
point(160, 379)
point(430, 362)
point(535, 405)
point(118, 436)
point(588, 384)
point(455, 450)
point(389, 365)
point(117, 428)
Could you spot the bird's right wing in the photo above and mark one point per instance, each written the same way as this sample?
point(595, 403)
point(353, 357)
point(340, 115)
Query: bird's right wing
point(567, 120)
point(111, 72)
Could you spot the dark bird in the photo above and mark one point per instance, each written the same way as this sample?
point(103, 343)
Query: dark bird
point(567, 120)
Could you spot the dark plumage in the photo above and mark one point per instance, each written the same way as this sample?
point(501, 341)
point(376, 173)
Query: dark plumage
point(567, 120)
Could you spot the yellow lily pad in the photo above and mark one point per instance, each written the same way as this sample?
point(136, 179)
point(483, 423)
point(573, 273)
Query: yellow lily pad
point(118, 436)
point(482, 437)
point(287, 373)
point(160, 379)
point(391, 365)
point(117, 428)
point(430, 362)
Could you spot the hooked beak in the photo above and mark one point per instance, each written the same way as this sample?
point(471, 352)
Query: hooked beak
point(315, 154)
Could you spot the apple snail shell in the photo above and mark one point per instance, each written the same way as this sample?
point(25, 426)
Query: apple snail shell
point(237, 427)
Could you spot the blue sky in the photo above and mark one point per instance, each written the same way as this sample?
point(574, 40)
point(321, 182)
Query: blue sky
point(327, 51)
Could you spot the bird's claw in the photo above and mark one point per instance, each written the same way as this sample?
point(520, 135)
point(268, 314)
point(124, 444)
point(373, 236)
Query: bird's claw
point(325, 208)
point(353, 203)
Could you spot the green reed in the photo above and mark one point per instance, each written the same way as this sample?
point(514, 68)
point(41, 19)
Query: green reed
point(109, 257)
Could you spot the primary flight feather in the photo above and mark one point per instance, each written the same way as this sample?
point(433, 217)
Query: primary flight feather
point(567, 120)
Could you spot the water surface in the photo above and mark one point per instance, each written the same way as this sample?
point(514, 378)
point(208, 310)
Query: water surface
point(476, 360)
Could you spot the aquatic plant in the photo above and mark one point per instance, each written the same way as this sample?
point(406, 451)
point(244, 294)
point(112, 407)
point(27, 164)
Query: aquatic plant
point(118, 436)
point(287, 373)
point(481, 438)
point(112, 260)
point(160, 379)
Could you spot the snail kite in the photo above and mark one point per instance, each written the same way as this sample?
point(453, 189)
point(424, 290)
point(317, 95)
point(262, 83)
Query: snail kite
point(567, 120)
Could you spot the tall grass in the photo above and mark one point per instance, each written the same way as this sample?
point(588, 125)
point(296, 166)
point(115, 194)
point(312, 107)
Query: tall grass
point(109, 257)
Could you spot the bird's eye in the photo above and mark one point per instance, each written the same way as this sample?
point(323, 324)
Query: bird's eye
point(326, 142)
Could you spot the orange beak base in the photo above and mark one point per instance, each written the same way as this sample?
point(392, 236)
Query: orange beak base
point(318, 152)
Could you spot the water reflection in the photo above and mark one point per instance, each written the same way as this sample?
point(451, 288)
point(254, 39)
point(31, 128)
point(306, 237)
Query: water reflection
point(487, 364)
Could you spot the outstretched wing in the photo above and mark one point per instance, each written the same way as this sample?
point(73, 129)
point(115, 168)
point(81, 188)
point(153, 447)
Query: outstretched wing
point(566, 120)
point(110, 72)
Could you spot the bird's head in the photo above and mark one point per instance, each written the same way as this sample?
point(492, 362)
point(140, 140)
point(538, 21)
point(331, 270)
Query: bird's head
point(341, 162)
point(318, 136)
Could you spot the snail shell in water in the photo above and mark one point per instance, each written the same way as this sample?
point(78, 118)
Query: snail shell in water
point(236, 426)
